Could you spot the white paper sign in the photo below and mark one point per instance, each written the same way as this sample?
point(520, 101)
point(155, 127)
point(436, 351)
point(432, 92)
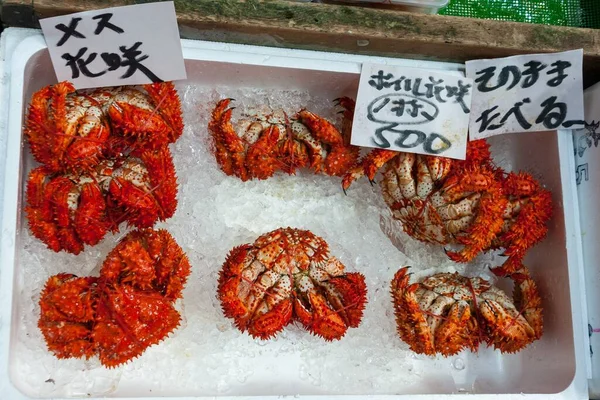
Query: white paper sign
point(412, 110)
point(535, 92)
point(127, 45)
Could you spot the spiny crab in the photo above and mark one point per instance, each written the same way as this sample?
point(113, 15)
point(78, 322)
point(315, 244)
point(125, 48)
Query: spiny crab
point(446, 313)
point(471, 203)
point(72, 131)
point(119, 314)
point(267, 141)
point(287, 275)
point(66, 211)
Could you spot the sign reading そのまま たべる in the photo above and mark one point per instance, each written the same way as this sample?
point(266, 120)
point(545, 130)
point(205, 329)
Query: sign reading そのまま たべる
point(528, 93)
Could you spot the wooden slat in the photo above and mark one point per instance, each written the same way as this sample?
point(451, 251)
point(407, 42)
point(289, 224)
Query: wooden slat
point(348, 29)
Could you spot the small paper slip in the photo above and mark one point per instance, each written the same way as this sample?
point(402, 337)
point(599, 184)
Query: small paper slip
point(529, 93)
point(128, 45)
point(412, 110)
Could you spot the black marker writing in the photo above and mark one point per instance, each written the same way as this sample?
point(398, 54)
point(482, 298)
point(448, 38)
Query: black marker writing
point(104, 23)
point(559, 69)
point(459, 92)
point(69, 31)
point(400, 107)
point(411, 138)
point(433, 89)
point(509, 72)
point(79, 65)
point(131, 58)
point(532, 73)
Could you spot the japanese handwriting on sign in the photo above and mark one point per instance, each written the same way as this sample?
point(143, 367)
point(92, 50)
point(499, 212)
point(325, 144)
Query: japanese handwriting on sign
point(433, 87)
point(116, 46)
point(526, 93)
point(413, 110)
point(130, 57)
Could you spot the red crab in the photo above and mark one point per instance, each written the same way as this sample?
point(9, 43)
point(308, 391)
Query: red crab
point(149, 119)
point(72, 131)
point(266, 142)
point(66, 211)
point(66, 130)
point(446, 313)
point(287, 275)
point(471, 203)
point(128, 308)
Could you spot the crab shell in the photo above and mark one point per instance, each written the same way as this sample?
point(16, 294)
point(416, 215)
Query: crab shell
point(68, 211)
point(147, 119)
point(268, 141)
point(472, 203)
point(66, 130)
point(72, 131)
point(119, 314)
point(446, 313)
point(288, 275)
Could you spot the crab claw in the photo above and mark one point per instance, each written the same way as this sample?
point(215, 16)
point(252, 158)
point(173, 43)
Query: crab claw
point(342, 156)
point(368, 166)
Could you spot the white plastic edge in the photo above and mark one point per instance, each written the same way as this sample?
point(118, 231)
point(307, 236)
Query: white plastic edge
point(276, 57)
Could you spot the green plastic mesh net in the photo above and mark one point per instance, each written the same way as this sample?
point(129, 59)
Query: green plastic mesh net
point(577, 13)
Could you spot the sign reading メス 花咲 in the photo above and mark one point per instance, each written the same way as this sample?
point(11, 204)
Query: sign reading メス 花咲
point(127, 45)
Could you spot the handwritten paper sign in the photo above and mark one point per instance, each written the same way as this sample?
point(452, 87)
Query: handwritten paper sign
point(128, 45)
point(535, 92)
point(412, 110)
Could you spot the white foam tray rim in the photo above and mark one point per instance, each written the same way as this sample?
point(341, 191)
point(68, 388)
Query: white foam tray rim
point(19, 45)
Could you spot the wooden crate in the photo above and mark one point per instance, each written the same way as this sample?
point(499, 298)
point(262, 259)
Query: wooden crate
point(347, 29)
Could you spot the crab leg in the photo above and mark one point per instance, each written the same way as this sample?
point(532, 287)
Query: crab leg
point(411, 322)
point(233, 144)
point(316, 152)
point(368, 166)
point(64, 200)
point(62, 135)
point(222, 155)
point(89, 140)
point(488, 221)
point(260, 159)
point(529, 227)
point(348, 110)
point(262, 308)
point(39, 128)
point(457, 331)
point(316, 314)
point(163, 180)
point(173, 266)
point(341, 157)
point(166, 100)
point(331, 311)
point(89, 221)
point(156, 117)
point(527, 298)
point(39, 209)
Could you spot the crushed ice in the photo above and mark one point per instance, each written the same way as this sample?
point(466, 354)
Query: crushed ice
point(207, 355)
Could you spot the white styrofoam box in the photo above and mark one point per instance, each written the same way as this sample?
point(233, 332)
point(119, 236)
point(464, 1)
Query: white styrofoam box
point(587, 168)
point(552, 368)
